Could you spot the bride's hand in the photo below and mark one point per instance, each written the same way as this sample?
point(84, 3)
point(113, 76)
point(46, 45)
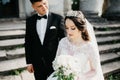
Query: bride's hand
point(30, 68)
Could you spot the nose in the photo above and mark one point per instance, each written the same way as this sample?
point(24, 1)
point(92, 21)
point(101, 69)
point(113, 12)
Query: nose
point(69, 31)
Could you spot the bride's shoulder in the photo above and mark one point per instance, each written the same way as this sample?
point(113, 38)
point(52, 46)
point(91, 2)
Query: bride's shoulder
point(63, 40)
point(89, 44)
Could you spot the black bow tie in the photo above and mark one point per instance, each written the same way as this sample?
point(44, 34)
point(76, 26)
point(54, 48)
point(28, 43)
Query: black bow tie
point(40, 17)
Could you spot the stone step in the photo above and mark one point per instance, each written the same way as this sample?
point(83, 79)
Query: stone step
point(96, 19)
point(11, 43)
point(106, 27)
point(108, 24)
point(25, 75)
point(2, 55)
point(5, 44)
point(20, 52)
point(111, 68)
point(108, 40)
point(108, 48)
point(12, 28)
point(107, 69)
point(11, 54)
point(9, 65)
point(14, 59)
point(12, 34)
point(15, 25)
point(107, 33)
point(109, 57)
point(20, 63)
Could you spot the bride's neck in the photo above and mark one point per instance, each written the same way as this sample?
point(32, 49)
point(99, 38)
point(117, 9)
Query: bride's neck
point(77, 41)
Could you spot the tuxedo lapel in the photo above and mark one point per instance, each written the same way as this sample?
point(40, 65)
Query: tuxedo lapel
point(49, 22)
point(35, 27)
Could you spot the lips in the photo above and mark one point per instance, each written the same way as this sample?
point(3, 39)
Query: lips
point(70, 35)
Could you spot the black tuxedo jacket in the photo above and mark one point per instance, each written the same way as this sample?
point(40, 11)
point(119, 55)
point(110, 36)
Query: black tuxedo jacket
point(36, 53)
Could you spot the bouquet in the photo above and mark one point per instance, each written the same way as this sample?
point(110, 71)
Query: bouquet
point(66, 67)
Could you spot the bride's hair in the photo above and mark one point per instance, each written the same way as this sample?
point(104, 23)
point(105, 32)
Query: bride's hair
point(79, 20)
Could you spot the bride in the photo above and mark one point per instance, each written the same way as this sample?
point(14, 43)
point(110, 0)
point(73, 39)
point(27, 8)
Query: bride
point(80, 43)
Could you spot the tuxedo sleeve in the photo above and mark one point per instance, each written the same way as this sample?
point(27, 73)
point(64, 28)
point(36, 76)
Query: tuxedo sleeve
point(28, 44)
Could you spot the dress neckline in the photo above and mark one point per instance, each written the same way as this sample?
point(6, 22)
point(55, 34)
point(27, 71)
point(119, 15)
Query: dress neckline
point(79, 45)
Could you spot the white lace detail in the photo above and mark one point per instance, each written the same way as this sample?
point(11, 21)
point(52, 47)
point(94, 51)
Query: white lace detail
point(85, 51)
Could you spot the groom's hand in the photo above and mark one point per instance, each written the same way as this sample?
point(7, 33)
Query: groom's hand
point(30, 68)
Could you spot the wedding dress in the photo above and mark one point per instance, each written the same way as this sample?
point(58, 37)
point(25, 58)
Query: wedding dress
point(83, 52)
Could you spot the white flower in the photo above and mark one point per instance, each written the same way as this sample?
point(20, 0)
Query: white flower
point(68, 64)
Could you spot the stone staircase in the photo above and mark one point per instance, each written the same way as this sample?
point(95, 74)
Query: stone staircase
point(12, 60)
point(108, 38)
point(12, 51)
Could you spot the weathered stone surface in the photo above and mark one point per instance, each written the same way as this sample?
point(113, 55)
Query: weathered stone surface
point(2, 53)
point(12, 25)
point(11, 42)
point(10, 78)
point(108, 57)
point(113, 10)
point(67, 6)
point(27, 76)
point(12, 64)
point(110, 46)
point(111, 67)
point(108, 40)
point(56, 6)
point(17, 53)
point(106, 33)
point(118, 53)
point(92, 6)
point(11, 33)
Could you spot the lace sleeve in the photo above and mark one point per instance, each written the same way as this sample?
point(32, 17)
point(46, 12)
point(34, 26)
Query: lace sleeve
point(58, 50)
point(94, 59)
point(61, 46)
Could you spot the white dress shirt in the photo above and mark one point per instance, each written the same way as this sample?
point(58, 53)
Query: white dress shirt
point(41, 28)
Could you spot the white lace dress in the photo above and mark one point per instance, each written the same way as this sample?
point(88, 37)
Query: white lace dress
point(84, 52)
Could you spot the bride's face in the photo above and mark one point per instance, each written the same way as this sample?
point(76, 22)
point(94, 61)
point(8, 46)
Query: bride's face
point(72, 30)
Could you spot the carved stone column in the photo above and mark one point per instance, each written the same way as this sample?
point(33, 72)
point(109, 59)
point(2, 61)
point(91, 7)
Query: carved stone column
point(28, 8)
point(22, 13)
point(113, 10)
point(67, 6)
point(91, 6)
point(56, 6)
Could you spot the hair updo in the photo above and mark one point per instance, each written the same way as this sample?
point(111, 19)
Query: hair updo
point(33, 1)
point(79, 20)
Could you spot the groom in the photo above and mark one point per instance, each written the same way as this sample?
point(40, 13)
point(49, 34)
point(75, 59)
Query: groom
point(43, 32)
